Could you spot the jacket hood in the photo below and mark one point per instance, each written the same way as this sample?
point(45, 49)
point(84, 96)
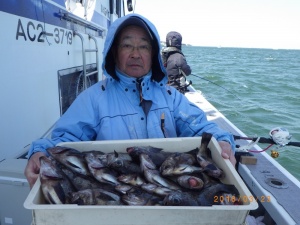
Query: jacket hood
point(174, 39)
point(108, 64)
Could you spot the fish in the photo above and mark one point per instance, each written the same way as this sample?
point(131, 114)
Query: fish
point(192, 182)
point(204, 158)
point(181, 169)
point(97, 166)
point(155, 189)
point(132, 179)
point(157, 155)
point(211, 195)
point(179, 198)
point(117, 157)
point(80, 182)
point(95, 197)
point(207, 197)
point(185, 158)
point(71, 158)
point(229, 199)
point(123, 188)
point(179, 164)
point(54, 184)
point(99, 155)
point(122, 162)
point(208, 180)
point(152, 175)
point(139, 197)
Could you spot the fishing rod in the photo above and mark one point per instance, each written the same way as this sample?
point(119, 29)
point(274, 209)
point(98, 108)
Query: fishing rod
point(216, 85)
point(278, 136)
point(264, 140)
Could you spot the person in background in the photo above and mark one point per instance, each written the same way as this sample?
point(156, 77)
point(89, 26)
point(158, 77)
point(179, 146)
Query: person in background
point(133, 102)
point(175, 62)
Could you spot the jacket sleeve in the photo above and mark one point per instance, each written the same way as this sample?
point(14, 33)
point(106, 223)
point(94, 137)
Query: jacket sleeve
point(191, 121)
point(182, 63)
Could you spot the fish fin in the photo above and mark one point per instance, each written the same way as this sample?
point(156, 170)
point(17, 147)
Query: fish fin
point(193, 151)
point(206, 137)
point(116, 154)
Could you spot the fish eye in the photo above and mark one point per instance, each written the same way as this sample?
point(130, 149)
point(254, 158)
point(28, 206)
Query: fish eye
point(176, 201)
point(118, 163)
point(138, 192)
point(167, 167)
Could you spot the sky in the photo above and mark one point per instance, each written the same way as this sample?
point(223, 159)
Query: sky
point(227, 23)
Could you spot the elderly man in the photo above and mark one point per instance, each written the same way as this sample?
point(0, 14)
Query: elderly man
point(131, 102)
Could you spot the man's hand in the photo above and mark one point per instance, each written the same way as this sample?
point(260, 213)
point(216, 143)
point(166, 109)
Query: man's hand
point(33, 168)
point(227, 152)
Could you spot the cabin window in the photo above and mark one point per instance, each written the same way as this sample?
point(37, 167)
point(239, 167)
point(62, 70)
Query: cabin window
point(71, 84)
point(115, 7)
point(118, 8)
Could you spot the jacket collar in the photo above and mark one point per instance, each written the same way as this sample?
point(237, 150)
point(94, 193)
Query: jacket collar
point(131, 81)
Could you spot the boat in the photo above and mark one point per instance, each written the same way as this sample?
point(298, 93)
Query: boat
point(271, 184)
point(50, 52)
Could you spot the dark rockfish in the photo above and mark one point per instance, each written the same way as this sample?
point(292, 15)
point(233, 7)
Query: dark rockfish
point(154, 189)
point(207, 197)
point(211, 195)
point(204, 158)
point(100, 156)
point(80, 182)
point(54, 184)
point(157, 155)
point(98, 167)
point(117, 157)
point(229, 199)
point(123, 188)
point(132, 179)
point(179, 198)
point(95, 197)
point(71, 158)
point(122, 162)
point(152, 175)
point(181, 169)
point(179, 164)
point(139, 197)
point(208, 180)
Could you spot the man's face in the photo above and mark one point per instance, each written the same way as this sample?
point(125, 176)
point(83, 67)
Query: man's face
point(134, 52)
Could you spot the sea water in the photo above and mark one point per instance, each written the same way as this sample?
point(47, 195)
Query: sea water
point(256, 89)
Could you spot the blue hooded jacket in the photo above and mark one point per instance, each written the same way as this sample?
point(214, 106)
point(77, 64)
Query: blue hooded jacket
point(111, 110)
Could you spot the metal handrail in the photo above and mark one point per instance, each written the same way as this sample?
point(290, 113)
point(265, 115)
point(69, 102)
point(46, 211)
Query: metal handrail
point(84, 57)
point(97, 57)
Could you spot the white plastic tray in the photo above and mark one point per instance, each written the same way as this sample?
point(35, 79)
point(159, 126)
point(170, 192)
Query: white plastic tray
point(44, 214)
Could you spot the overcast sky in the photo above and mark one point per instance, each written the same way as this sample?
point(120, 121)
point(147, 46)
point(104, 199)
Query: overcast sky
point(227, 23)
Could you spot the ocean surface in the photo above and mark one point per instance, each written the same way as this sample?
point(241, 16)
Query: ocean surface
point(256, 89)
